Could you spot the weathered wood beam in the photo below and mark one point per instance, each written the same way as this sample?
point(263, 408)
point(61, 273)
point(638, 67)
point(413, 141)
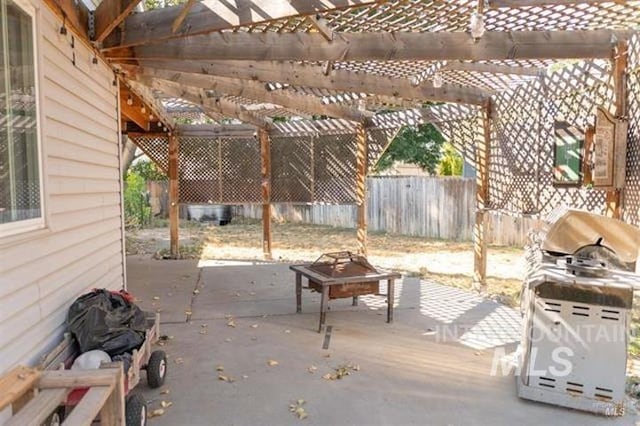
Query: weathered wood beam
point(385, 46)
point(174, 206)
point(312, 76)
point(322, 27)
point(212, 15)
point(265, 170)
point(133, 113)
point(493, 68)
point(151, 103)
point(198, 96)
point(256, 91)
point(513, 4)
point(109, 14)
point(361, 187)
point(483, 149)
point(182, 15)
point(73, 13)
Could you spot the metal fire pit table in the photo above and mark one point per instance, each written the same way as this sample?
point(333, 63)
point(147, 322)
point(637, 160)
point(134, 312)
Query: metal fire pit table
point(341, 275)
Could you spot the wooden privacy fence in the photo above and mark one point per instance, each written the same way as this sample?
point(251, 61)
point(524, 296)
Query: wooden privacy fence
point(431, 207)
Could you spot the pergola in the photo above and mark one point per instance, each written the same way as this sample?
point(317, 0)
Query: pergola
point(297, 99)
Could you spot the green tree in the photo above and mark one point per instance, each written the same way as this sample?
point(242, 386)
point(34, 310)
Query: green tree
point(148, 170)
point(421, 145)
point(451, 162)
point(136, 205)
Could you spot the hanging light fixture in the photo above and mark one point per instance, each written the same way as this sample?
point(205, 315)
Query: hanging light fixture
point(143, 109)
point(150, 117)
point(129, 100)
point(438, 81)
point(476, 22)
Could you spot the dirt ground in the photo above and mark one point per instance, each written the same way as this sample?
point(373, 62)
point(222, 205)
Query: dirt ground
point(444, 261)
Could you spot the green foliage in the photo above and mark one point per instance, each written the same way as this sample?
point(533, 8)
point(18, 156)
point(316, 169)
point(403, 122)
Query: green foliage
point(451, 162)
point(157, 4)
point(148, 170)
point(420, 145)
point(137, 210)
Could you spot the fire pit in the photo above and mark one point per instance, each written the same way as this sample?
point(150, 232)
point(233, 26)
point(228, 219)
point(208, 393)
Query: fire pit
point(341, 275)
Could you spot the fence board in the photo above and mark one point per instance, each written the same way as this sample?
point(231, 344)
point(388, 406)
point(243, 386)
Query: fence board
point(431, 207)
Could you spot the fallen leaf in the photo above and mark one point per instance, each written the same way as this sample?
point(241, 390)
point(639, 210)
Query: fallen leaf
point(161, 343)
point(237, 294)
point(301, 413)
point(203, 331)
point(178, 360)
point(156, 413)
point(165, 392)
point(301, 401)
point(156, 298)
point(166, 404)
point(287, 331)
point(196, 291)
point(254, 326)
point(228, 339)
point(220, 368)
point(170, 337)
point(272, 363)
point(244, 376)
point(227, 379)
point(187, 312)
point(252, 293)
point(203, 325)
point(228, 316)
point(231, 323)
point(312, 369)
point(328, 376)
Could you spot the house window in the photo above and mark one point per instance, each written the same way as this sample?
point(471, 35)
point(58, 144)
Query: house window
point(567, 161)
point(20, 176)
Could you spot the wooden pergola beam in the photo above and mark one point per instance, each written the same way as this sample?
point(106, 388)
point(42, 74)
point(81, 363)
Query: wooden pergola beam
point(307, 75)
point(256, 91)
point(514, 4)
point(73, 13)
point(322, 27)
point(385, 46)
point(109, 14)
point(219, 105)
point(151, 103)
point(212, 15)
point(493, 68)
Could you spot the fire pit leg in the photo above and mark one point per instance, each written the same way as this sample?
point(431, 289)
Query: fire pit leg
point(324, 304)
point(390, 297)
point(355, 301)
point(298, 292)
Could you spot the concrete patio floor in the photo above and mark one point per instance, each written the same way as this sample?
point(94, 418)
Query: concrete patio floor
point(430, 367)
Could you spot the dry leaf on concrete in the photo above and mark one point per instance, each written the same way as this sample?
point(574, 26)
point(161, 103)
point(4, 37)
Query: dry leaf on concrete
point(227, 379)
point(254, 325)
point(178, 361)
point(165, 392)
point(166, 404)
point(231, 323)
point(156, 413)
point(312, 369)
point(220, 368)
point(272, 363)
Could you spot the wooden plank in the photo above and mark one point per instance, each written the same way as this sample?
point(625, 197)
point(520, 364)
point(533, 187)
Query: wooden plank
point(493, 68)
point(322, 27)
point(256, 91)
point(182, 15)
point(483, 148)
point(613, 198)
point(73, 13)
point(16, 383)
point(495, 4)
point(265, 161)
point(210, 16)
point(361, 187)
point(76, 378)
point(308, 75)
point(39, 408)
point(174, 206)
point(109, 14)
point(89, 406)
point(384, 46)
point(113, 410)
point(198, 96)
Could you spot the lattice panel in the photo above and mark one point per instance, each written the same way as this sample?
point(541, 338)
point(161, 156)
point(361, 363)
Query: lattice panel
point(199, 170)
point(292, 169)
point(631, 192)
point(521, 161)
point(463, 135)
point(378, 141)
point(156, 148)
point(334, 159)
point(240, 170)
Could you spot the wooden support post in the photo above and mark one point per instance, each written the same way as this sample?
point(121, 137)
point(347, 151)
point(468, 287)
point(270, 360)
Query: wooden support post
point(361, 187)
point(265, 156)
point(173, 195)
point(482, 201)
point(613, 200)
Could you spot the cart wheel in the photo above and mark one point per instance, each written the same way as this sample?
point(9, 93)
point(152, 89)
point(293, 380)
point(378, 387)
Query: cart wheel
point(56, 418)
point(135, 410)
point(156, 369)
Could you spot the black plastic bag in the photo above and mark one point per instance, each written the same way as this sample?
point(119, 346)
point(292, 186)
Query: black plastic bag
point(106, 321)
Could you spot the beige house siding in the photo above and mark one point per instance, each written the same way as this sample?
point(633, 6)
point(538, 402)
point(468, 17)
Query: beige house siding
point(42, 272)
